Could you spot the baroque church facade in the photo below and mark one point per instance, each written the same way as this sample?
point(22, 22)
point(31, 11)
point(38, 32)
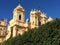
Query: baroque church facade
point(17, 25)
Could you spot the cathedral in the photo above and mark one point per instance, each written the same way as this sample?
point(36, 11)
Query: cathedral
point(17, 25)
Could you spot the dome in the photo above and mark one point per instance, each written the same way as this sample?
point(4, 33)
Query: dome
point(49, 19)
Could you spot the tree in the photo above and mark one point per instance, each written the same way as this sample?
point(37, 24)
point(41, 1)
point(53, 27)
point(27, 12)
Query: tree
point(47, 34)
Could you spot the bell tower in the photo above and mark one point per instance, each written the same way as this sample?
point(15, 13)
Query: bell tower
point(34, 18)
point(43, 18)
point(16, 25)
point(18, 13)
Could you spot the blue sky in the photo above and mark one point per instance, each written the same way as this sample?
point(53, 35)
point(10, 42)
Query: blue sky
point(50, 7)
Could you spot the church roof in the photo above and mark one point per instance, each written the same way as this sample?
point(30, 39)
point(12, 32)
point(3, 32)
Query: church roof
point(43, 15)
point(19, 7)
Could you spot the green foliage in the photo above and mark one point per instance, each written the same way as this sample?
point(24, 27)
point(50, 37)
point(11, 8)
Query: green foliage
point(48, 34)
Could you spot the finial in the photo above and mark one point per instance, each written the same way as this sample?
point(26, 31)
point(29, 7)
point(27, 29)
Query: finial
point(19, 4)
point(39, 11)
point(27, 20)
point(49, 17)
point(43, 12)
point(34, 9)
point(31, 9)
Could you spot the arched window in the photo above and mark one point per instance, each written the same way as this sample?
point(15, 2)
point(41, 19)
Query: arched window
point(19, 17)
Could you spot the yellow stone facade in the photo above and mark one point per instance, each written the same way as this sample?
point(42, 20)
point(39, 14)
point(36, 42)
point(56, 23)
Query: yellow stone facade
point(3, 31)
point(17, 25)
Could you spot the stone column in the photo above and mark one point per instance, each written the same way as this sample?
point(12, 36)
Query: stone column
point(14, 31)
